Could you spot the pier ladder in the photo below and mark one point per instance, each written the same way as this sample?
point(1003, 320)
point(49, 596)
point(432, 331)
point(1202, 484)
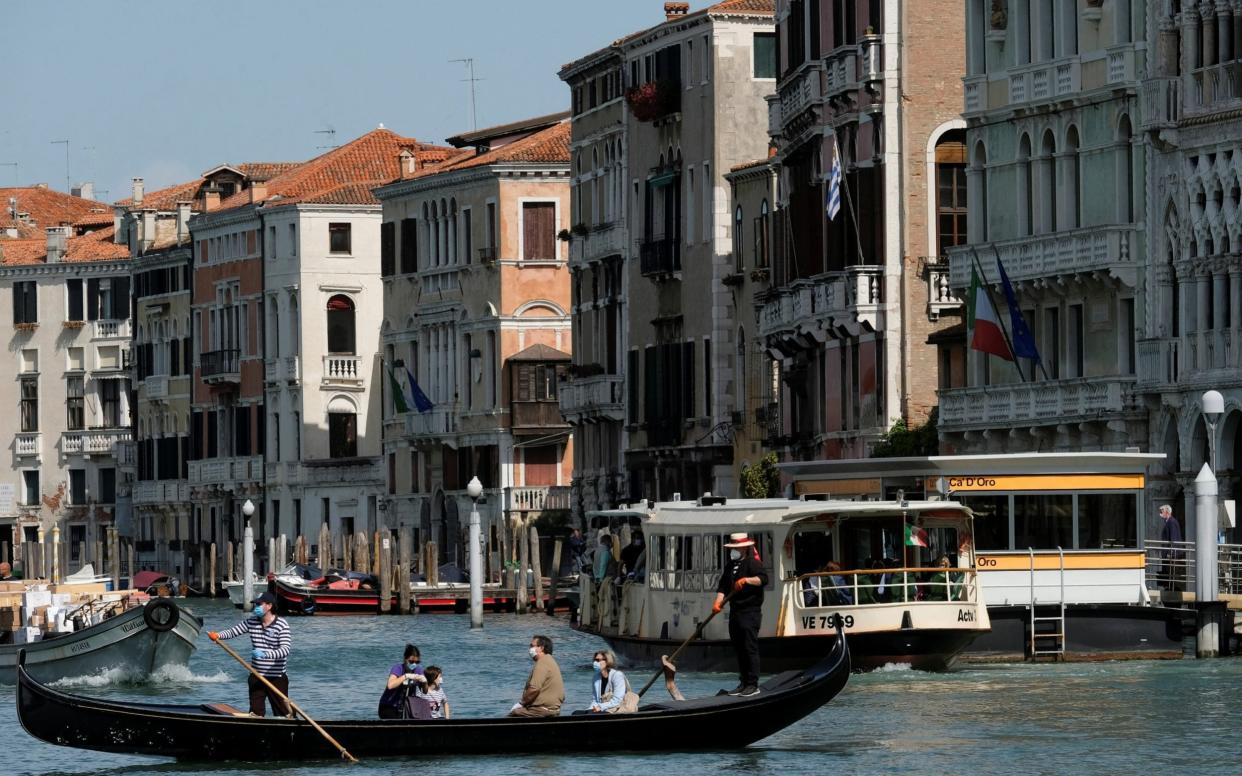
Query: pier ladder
point(1047, 620)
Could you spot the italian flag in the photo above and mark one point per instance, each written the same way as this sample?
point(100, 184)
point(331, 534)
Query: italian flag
point(984, 324)
point(915, 536)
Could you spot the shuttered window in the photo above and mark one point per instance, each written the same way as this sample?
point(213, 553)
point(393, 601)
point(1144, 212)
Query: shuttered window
point(388, 249)
point(74, 289)
point(409, 246)
point(632, 377)
point(25, 302)
point(539, 231)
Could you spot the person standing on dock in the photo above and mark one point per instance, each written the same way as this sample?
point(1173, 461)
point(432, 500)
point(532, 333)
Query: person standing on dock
point(269, 635)
point(1171, 535)
point(744, 577)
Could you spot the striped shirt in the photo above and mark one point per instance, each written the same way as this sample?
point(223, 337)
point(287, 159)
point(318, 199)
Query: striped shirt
point(274, 640)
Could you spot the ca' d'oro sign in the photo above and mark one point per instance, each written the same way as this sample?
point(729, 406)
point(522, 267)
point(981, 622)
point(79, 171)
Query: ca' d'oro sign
point(970, 483)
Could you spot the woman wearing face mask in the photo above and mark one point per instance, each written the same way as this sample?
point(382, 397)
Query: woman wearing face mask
point(401, 678)
point(744, 578)
point(609, 686)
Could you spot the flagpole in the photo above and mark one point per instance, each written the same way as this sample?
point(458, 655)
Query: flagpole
point(849, 199)
point(1040, 361)
point(983, 283)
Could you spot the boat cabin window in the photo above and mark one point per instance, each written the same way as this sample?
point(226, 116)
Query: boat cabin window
point(991, 521)
point(863, 543)
point(1113, 524)
point(812, 550)
point(693, 562)
point(1043, 520)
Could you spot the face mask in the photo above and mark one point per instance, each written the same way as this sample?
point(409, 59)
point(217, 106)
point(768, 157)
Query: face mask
point(599, 665)
point(533, 654)
point(735, 554)
point(258, 611)
point(411, 663)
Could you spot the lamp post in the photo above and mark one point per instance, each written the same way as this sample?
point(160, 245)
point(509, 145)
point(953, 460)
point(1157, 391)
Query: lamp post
point(474, 489)
point(248, 555)
point(1207, 638)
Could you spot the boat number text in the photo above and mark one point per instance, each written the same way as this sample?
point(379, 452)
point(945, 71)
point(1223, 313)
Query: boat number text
point(81, 646)
point(129, 626)
point(826, 621)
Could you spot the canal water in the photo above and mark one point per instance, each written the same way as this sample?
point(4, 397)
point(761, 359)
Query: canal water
point(1120, 717)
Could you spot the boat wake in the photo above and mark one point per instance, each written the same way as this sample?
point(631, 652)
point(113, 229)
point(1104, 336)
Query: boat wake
point(892, 668)
point(165, 675)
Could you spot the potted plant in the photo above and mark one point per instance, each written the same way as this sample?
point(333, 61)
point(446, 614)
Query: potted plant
point(581, 229)
point(563, 235)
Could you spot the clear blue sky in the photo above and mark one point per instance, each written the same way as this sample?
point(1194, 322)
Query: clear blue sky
point(166, 90)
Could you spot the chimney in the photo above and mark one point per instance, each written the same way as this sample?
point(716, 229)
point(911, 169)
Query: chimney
point(211, 199)
point(118, 221)
point(146, 237)
point(84, 190)
point(183, 220)
point(258, 191)
point(675, 11)
point(57, 243)
point(407, 163)
point(137, 191)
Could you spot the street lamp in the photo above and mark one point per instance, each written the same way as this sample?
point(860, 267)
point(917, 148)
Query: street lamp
point(474, 489)
point(248, 555)
point(1210, 616)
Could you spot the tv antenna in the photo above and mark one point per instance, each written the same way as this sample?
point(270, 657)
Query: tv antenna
point(66, 144)
point(469, 63)
point(14, 166)
point(90, 166)
point(331, 133)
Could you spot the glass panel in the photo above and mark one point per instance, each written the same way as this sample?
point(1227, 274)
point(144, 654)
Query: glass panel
point(656, 572)
point(1107, 520)
point(1043, 522)
point(991, 521)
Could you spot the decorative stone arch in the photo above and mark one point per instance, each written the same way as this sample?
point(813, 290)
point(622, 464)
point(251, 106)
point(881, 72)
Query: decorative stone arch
point(529, 309)
point(1229, 453)
point(341, 402)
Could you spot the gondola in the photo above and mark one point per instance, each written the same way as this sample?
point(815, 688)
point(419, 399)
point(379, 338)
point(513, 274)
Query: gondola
point(217, 732)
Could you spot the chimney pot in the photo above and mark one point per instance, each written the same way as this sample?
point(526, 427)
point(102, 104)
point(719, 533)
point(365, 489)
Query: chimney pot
point(675, 10)
point(211, 200)
point(407, 163)
point(258, 191)
point(183, 220)
point(137, 191)
point(57, 243)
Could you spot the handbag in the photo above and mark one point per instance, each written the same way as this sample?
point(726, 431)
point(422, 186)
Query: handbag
point(629, 701)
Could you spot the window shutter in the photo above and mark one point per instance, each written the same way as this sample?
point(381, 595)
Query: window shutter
point(74, 287)
point(388, 248)
point(409, 246)
point(632, 381)
point(649, 385)
point(525, 377)
point(92, 299)
point(120, 298)
point(19, 303)
point(687, 371)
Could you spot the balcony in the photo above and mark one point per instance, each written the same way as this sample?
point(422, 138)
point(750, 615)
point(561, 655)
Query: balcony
point(655, 99)
point(148, 492)
point(1157, 363)
point(1042, 402)
point(774, 115)
point(661, 256)
point(434, 422)
point(127, 454)
point(341, 371)
point(536, 415)
point(872, 50)
point(537, 498)
point(101, 441)
point(798, 93)
point(975, 95)
point(598, 397)
point(602, 241)
point(1045, 81)
point(1218, 83)
point(27, 443)
point(220, 366)
point(110, 329)
point(1120, 64)
point(155, 387)
point(1162, 103)
point(1078, 252)
point(226, 471)
point(940, 298)
point(336, 471)
point(851, 300)
point(841, 71)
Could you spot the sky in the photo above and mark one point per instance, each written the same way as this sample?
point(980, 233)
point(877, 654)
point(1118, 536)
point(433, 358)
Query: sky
point(167, 90)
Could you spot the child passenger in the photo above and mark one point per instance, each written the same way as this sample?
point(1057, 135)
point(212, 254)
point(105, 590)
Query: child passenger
point(433, 694)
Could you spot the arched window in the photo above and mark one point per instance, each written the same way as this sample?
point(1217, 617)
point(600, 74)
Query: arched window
point(741, 382)
point(738, 263)
point(1026, 188)
point(1048, 183)
point(294, 325)
point(1125, 171)
point(978, 203)
point(951, 208)
point(1073, 181)
point(341, 325)
point(761, 236)
point(452, 231)
point(342, 428)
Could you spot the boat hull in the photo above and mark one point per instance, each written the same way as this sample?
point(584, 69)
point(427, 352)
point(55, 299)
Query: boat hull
point(127, 642)
point(1092, 632)
point(296, 600)
point(195, 733)
point(924, 649)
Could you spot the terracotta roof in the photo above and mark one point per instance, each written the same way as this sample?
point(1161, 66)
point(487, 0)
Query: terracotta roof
point(48, 207)
point(95, 246)
point(262, 171)
point(371, 159)
point(474, 137)
point(548, 146)
point(723, 8)
point(167, 198)
point(540, 352)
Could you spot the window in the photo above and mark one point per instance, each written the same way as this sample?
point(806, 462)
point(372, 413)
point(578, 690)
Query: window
point(74, 388)
point(1043, 522)
point(293, 239)
point(991, 521)
point(765, 55)
point(338, 238)
point(30, 404)
point(1051, 349)
point(467, 237)
point(388, 249)
point(1075, 344)
point(340, 325)
point(761, 236)
point(30, 488)
point(951, 190)
point(25, 302)
point(738, 263)
point(1107, 520)
point(539, 231)
point(1125, 329)
point(75, 360)
point(409, 246)
point(107, 486)
point(75, 303)
point(342, 435)
point(110, 402)
point(77, 487)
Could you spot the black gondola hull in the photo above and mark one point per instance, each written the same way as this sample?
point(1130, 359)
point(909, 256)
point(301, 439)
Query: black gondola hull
point(194, 733)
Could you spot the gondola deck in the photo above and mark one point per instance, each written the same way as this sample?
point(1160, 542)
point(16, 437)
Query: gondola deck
point(212, 732)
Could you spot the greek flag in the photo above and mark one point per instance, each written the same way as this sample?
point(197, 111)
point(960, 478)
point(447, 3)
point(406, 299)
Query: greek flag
point(834, 184)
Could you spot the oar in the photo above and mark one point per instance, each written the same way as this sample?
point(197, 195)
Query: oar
point(344, 754)
point(667, 667)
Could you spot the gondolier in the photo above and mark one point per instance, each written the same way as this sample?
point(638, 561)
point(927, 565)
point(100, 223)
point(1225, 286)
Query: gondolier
point(269, 635)
point(745, 578)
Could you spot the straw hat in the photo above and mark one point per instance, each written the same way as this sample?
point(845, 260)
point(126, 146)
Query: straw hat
point(737, 540)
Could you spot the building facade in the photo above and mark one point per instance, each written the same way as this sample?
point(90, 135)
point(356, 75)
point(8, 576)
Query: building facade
point(476, 334)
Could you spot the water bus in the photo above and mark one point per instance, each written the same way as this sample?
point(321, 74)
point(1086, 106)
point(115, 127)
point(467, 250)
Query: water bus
point(868, 566)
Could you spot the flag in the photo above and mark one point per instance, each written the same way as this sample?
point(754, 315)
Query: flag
point(1020, 333)
point(915, 536)
point(399, 403)
point(833, 205)
point(417, 397)
point(984, 324)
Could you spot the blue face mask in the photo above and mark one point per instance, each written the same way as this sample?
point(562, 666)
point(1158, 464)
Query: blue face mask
point(258, 610)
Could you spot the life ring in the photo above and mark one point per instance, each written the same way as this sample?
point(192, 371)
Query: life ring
point(161, 615)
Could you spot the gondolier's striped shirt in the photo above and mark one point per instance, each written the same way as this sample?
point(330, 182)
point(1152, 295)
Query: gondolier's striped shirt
point(274, 640)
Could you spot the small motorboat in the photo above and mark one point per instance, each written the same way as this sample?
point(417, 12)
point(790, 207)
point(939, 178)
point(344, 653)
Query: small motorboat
point(336, 592)
point(212, 732)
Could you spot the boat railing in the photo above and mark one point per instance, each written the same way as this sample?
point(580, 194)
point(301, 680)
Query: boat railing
point(1171, 566)
point(914, 585)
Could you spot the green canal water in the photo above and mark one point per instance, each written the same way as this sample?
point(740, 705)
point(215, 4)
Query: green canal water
point(1162, 717)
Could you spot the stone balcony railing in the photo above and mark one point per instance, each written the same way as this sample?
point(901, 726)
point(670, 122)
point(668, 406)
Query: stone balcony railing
point(1044, 81)
point(1043, 402)
point(435, 421)
point(537, 498)
point(940, 297)
point(974, 94)
point(801, 90)
point(1157, 362)
point(596, 396)
point(775, 124)
point(27, 443)
point(601, 241)
point(1162, 103)
point(127, 453)
point(1215, 84)
point(225, 471)
point(155, 387)
point(1120, 63)
point(1196, 359)
point(841, 71)
point(148, 492)
point(834, 298)
point(283, 369)
point(341, 370)
point(1093, 249)
point(110, 329)
point(94, 442)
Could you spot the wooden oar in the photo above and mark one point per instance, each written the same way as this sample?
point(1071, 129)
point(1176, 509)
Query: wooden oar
point(667, 668)
point(344, 754)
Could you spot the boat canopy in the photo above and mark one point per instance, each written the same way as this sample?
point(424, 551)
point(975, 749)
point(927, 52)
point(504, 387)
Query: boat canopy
point(771, 512)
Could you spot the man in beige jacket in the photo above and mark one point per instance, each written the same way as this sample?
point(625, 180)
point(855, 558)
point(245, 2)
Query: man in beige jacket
point(545, 691)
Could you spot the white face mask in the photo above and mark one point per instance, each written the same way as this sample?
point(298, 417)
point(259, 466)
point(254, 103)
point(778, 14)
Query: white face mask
point(735, 554)
point(533, 653)
point(599, 665)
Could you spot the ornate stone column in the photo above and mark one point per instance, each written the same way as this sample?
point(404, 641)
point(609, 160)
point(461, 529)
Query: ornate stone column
point(1224, 31)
